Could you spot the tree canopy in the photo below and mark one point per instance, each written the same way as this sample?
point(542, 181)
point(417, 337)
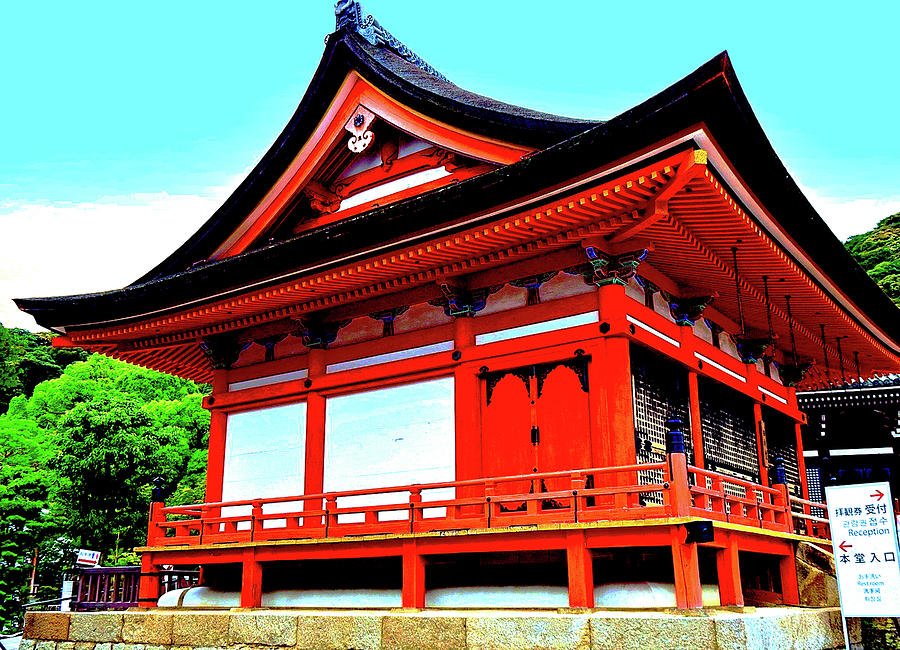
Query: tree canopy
point(27, 359)
point(878, 252)
point(81, 441)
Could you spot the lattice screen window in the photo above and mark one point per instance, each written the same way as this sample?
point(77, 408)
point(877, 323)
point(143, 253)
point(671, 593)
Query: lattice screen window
point(660, 390)
point(815, 489)
point(781, 441)
point(729, 434)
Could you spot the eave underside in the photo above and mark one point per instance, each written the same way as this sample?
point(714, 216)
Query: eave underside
point(692, 245)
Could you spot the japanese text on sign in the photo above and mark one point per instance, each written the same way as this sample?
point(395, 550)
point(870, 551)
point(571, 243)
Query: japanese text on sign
point(864, 537)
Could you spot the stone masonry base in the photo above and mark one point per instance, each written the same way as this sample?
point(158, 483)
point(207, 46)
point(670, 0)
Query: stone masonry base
point(771, 627)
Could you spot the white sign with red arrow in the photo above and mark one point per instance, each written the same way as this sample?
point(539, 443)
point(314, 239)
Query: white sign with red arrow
point(866, 552)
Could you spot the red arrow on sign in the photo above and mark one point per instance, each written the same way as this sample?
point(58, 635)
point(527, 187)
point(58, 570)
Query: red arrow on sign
point(878, 493)
point(844, 546)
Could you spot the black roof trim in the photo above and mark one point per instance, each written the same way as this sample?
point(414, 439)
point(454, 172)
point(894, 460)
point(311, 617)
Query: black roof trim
point(710, 95)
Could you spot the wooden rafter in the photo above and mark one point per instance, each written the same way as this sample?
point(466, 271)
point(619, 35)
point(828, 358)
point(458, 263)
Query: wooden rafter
point(692, 164)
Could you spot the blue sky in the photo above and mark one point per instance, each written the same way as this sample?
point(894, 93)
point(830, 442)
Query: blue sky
point(123, 125)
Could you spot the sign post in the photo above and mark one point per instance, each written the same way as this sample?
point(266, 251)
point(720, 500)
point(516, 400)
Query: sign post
point(866, 551)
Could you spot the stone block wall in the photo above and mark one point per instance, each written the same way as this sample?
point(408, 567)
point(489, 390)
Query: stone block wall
point(780, 627)
point(816, 576)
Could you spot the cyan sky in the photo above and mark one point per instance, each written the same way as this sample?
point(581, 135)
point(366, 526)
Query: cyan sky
point(123, 125)
point(115, 98)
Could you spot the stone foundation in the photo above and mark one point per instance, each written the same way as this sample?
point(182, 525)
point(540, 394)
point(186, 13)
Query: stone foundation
point(816, 581)
point(746, 628)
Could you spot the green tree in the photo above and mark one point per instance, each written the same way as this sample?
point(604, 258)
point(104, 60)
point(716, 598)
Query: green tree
point(109, 453)
point(90, 441)
point(27, 359)
point(878, 252)
point(25, 513)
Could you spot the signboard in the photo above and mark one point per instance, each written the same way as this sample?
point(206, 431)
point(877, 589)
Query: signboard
point(866, 553)
point(88, 558)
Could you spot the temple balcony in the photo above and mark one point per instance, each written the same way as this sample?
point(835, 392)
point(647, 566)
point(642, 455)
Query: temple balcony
point(672, 506)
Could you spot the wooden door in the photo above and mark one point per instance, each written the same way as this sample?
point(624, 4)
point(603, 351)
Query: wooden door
point(562, 419)
point(536, 419)
point(506, 425)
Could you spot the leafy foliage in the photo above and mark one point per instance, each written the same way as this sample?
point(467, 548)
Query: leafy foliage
point(27, 359)
point(25, 487)
point(79, 450)
point(878, 252)
point(109, 452)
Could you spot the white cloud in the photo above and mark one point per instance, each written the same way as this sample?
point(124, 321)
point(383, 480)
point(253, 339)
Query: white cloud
point(851, 216)
point(58, 249)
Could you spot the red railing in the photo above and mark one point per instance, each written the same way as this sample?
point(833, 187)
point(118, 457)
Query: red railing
point(812, 519)
point(745, 502)
point(584, 495)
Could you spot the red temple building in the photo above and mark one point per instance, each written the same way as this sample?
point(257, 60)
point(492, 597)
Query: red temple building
point(460, 349)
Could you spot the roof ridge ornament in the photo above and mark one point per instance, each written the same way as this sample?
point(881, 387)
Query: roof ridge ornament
point(350, 14)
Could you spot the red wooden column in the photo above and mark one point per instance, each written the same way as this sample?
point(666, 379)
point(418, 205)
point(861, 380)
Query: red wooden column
point(215, 458)
point(696, 429)
point(251, 580)
point(616, 383)
point(686, 562)
point(413, 592)
point(610, 399)
point(801, 469)
point(729, 569)
point(148, 589)
point(612, 377)
point(314, 471)
point(467, 404)
point(760, 444)
point(581, 570)
point(801, 462)
point(790, 590)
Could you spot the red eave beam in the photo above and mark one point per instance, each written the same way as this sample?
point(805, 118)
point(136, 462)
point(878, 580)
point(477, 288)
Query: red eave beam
point(692, 164)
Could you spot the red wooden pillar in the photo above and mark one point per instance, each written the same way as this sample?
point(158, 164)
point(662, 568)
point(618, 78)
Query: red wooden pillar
point(610, 400)
point(801, 469)
point(616, 383)
point(314, 470)
point(680, 487)
point(156, 515)
point(581, 570)
point(148, 590)
point(790, 590)
point(413, 592)
point(215, 458)
point(729, 570)
point(467, 405)
point(215, 455)
point(761, 444)
point(686, 562)
point(251, 580)
point(696, 429)
point(801, 462)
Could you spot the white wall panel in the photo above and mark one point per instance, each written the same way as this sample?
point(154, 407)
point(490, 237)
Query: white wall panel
point(265, 455)
point(390, 436)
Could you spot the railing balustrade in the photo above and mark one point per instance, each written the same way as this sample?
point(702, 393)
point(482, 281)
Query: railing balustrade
point(111, 588)
point(583, 495)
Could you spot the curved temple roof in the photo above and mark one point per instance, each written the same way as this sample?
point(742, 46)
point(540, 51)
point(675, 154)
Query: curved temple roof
point(566, 150)
point(410, 81)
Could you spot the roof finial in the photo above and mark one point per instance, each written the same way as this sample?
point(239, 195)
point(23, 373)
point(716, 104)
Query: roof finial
point(350, 15)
